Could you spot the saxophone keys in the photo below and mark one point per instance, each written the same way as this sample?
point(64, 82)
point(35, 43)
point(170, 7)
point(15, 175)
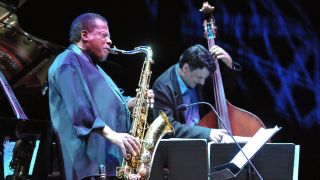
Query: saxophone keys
point(146, 157)
point(127, 157)
point(120, 172)
point(148, 145)
point(143, 172)
point(134, 177)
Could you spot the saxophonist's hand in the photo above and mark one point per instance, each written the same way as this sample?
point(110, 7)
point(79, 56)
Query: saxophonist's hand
point(128, 144)
point(150, 96)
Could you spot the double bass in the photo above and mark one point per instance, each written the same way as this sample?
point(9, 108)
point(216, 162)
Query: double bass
point(238, 121)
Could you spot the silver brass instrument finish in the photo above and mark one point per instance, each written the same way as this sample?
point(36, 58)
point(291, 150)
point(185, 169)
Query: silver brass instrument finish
point(141, 49)
point(139, 166)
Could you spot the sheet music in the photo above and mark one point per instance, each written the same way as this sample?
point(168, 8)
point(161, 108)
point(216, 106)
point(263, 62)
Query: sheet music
point(254, 144)
point(240, 139)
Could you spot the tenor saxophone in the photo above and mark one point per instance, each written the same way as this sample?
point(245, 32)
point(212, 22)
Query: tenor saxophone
point(139, 166)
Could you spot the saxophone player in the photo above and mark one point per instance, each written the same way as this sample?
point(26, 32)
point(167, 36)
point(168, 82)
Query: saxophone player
point(89, 113)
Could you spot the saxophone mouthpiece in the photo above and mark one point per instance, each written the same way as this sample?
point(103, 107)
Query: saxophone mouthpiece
point(114, 50)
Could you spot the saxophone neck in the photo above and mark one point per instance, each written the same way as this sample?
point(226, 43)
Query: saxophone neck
point(140, 49)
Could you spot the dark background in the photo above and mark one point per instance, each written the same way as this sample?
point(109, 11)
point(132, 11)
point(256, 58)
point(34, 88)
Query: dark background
point(277, 44)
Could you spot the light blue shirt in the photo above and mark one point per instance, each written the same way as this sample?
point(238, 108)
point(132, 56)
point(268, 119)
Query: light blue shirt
point(188, 96)
point(82, 100)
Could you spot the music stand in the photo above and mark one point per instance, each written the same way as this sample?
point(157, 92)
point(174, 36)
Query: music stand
point(273, 161)
point(180, 159)
point(232, 169)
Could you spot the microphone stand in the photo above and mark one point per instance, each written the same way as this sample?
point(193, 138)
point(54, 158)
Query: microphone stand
point(183, 107)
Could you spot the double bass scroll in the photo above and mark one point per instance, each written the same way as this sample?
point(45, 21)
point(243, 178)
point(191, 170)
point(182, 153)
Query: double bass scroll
point(238, 121)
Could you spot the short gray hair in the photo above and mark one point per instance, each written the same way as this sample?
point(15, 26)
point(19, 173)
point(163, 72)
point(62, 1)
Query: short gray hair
point(85, 21)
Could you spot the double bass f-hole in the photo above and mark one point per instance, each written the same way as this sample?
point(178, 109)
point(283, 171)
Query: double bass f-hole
point(238, 121)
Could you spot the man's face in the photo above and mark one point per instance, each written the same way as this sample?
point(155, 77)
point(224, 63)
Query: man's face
point(194, 77)
point(98, 41)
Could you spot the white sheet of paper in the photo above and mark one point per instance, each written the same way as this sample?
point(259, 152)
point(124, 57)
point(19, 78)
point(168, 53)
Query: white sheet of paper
point(253, 145)
point(239, 139)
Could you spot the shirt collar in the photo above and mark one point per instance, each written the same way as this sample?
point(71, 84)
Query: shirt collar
point(182, 85)
point(80, 52)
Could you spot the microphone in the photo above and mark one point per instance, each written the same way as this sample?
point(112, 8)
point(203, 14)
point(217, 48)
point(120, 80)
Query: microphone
point(183, 107)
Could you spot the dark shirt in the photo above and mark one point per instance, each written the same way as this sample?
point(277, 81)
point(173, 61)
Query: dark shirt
point(82, 100)
point(168, 96)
